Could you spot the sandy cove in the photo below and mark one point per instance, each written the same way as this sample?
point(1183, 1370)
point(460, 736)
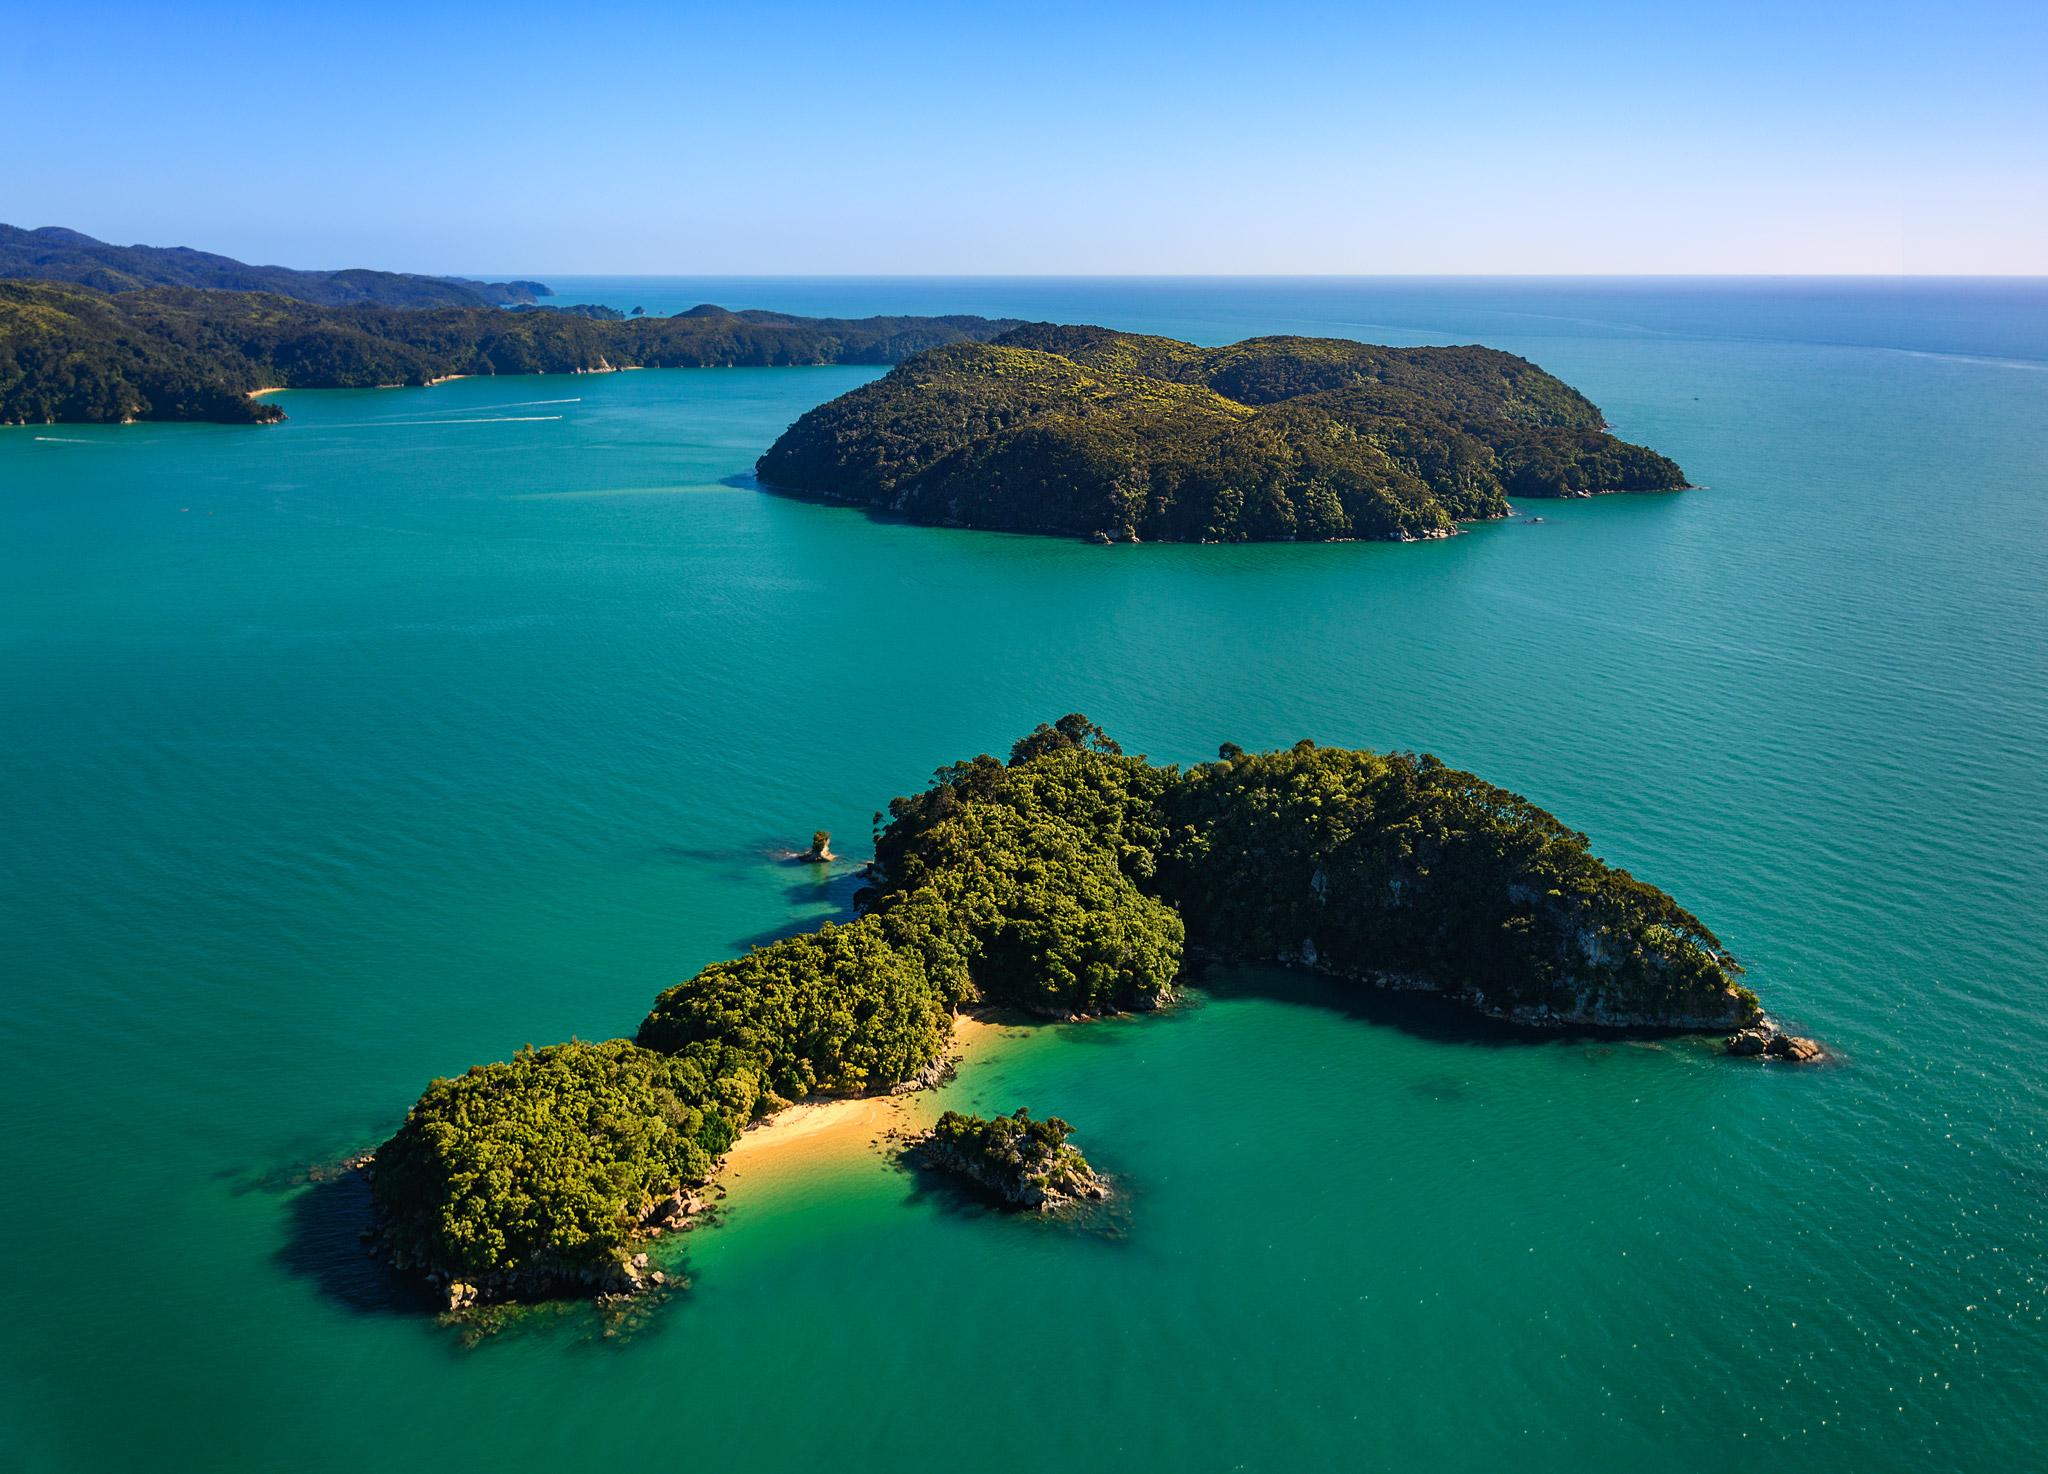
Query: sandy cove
point(803, 1136)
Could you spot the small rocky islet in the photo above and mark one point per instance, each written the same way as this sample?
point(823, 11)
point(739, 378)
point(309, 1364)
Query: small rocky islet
point(1022, 1163)
point(1071, 880)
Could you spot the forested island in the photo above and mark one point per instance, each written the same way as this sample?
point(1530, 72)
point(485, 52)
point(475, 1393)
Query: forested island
point(1069, 881)
point(69, 354)
point(1119, 436)
point(54, 254)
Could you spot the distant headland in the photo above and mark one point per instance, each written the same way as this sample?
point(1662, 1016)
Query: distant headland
point(1122, 437)
point(1070, 881)
point(54, 254)
point(71, 355)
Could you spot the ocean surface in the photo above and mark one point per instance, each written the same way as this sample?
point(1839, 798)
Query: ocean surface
point(344, 753)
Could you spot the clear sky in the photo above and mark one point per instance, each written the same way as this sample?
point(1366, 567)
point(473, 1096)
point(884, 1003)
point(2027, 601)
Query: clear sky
point(1041, 137)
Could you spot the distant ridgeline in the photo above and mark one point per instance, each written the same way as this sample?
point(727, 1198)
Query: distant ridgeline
point(1072, 880)
point(57, 255)
point(68, 354)
point(1117, 436)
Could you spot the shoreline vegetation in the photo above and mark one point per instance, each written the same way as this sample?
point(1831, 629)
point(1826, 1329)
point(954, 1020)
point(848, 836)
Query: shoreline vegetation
point(72, 355)
point(1120, 437)
point(1069, 882)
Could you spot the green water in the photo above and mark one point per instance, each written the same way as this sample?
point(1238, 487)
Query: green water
point(359, 749)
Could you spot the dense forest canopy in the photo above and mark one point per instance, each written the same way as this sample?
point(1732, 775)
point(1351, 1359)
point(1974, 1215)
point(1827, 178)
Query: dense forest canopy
point(72, 355)
point(1082, 430)
point(54, 254)
point(1071, 879)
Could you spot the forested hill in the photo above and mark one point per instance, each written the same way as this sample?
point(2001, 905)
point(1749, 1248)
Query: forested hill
point(58, 255)
point(1119, 436)
point(72, 355)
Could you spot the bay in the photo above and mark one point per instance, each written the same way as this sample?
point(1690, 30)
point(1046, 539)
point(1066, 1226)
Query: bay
point(343, 753)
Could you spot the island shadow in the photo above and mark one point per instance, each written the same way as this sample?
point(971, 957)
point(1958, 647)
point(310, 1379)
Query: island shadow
point(1434, 1017)
point(1107, 1221)
point(327, 1223)
point(327, 1219)
point(812, 884)
point(746, 481)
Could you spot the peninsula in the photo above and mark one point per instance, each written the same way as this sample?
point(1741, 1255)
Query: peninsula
point(1121, 437)
point(1069, 881)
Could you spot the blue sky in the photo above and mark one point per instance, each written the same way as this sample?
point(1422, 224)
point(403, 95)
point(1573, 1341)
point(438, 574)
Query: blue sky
point(1046, 138)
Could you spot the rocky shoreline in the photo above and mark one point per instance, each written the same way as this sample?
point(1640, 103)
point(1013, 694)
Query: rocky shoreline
point(1021, 1163)
point(681, 1210)
point(1587, 1012)
point(1765, 1040)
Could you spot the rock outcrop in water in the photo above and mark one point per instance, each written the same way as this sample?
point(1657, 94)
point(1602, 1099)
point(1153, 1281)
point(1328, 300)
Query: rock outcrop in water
point(1021, 1162)
point(1071, 880)
point(1765, 1040)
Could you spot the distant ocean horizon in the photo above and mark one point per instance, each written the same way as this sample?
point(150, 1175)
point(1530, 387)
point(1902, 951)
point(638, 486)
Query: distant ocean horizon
point(2000, 317)
point(356, 750)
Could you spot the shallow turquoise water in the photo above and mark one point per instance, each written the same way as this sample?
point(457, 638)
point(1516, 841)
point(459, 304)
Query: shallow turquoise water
point(359, 749)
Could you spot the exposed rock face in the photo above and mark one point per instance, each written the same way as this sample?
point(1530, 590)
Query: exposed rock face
point(674, 1211)
point(1730, 1010)
point(1765, 1040)
point(820, 852)
point(1023, 1163)
point(933, 1074)
point(1588, 1006)
point(535, 1283)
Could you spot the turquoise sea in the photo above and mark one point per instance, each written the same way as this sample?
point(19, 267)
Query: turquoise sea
point(344, 753)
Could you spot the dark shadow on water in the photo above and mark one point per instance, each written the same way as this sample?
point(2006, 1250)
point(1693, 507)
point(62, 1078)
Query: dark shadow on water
point(684, 854)
point(1422, 1015)
point(1107, 1221)
point(834, 886)
point(880, 515)
point(325, 1224)
point(818, 499)
point(827, 891)
point(737, 859)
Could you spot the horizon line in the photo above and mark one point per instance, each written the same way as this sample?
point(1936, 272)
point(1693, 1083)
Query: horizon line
point(1862, 276)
